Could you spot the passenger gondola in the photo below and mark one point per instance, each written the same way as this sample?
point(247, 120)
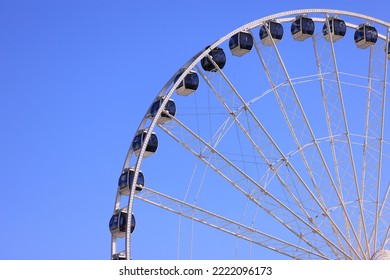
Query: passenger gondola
point(118, 223)
point(138, 141)
point(365, 36)
point(337, 28)
point(275, 30)
point(241, 43)
point(170, 110)
point(119, 256)
point(218, 56)
point(125, 182)
point(189, 84)
point(302, 28)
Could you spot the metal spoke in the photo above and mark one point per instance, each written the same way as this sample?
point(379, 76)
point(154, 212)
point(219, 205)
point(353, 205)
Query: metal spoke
point(245, 184)
point(299, 126)
point(375, 125)
point(226, 225)
point(251, 126)
point(341, 147)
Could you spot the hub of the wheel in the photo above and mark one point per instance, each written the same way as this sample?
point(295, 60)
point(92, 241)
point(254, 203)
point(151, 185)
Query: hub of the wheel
point(381, 255)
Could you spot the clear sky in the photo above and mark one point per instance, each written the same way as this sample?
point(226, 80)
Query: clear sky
point(76, 78)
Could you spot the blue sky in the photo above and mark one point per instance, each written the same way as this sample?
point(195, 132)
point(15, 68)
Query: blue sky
point(76, 78)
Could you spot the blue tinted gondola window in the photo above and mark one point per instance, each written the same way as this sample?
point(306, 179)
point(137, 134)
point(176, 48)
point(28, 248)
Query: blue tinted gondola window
point(192, 81)
point(340, 27)
point(302, 28)
point(140, 179)
point(155, 107)
point(122, 221)
point(241, 43)
point(263, 32)
point(132, 223)
point(218, 56)
point(371, 34)
point(113, 222)
point(137, 142)
point(276, 30)
point(123, 180)
point(131, 177)
point(233, 42)
point(181, 83)
point(307, 26)
point(152, 144)
point(246, 41)
point(170, 107)
point(295, 27)
point(126, 179)
point(359, 35)
point(325, 29)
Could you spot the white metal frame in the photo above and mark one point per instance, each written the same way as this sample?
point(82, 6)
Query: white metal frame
point(348, 245)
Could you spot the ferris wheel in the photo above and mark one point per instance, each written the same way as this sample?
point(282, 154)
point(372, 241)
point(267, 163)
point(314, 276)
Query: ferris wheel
point(276, 136)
